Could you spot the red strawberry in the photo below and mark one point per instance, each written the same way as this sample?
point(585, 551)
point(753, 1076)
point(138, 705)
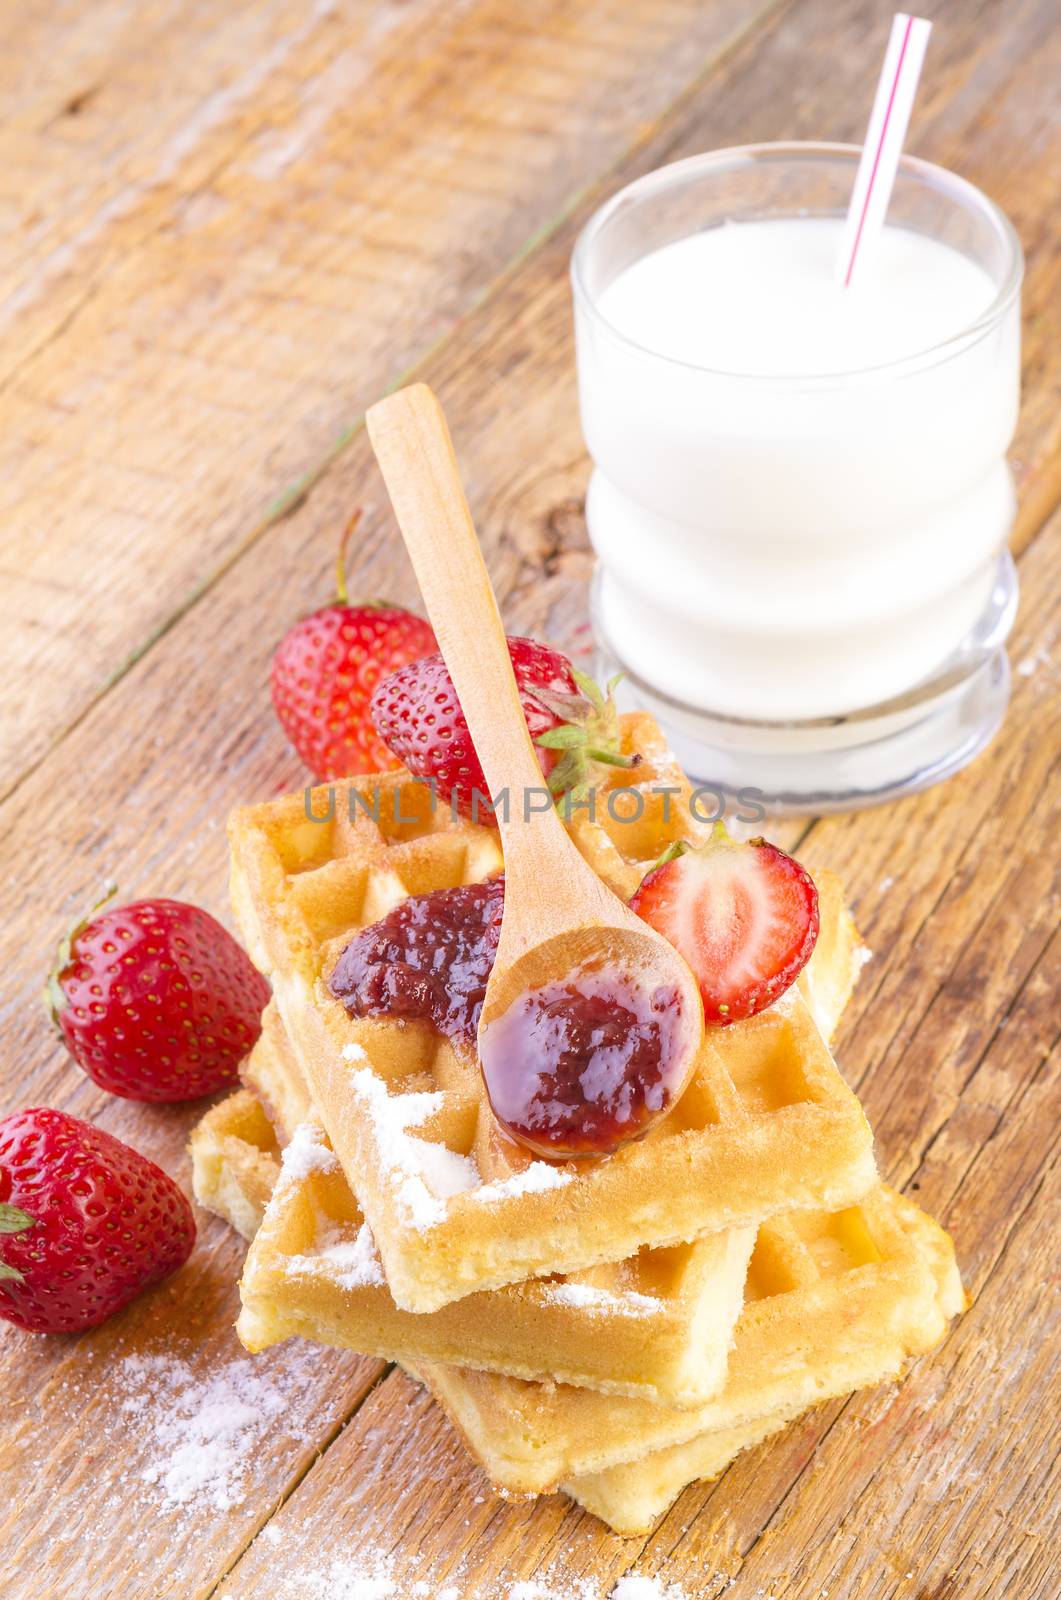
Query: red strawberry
point(417, 712)
point(744, 916)
point(156, 1001)
point(88, 1222)
point(326, 667)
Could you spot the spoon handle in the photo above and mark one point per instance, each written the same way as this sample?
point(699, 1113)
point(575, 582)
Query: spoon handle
point(415, 453)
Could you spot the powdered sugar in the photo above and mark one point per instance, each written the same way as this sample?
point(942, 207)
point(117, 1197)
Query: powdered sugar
point(425, 1173)
point(353, 1052)
point(634, 1587)
point(352, 1263)
point(204, 1432)
point(362, 1577)
point(307, 1153)
point(555, 1585)
point(535, 1178)
point(372, 1573)
point(598, 1301)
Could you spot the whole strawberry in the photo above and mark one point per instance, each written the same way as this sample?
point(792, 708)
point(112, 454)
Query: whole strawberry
point(744, 916)
point(325, 669)
point(86, 1222)
point(575, 727)
point(156, 1000)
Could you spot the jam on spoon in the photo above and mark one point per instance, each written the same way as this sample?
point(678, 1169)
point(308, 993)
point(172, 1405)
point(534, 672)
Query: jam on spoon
point(587, 1063)
point(575, 1068)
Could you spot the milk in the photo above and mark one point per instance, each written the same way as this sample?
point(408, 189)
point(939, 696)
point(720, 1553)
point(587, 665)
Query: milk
point(799, 499)
point(765, 298)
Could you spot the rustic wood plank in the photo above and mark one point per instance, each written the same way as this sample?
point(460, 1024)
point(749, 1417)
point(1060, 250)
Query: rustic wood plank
point(144, 783)
point(231, 230)
point(105, 1433)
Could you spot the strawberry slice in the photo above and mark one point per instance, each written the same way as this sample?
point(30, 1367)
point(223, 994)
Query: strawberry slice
point(744, 916)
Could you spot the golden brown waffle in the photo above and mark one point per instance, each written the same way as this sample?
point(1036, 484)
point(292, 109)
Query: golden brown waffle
point(235, 1161)
point(767, 1124)
point(658, 1326)
point(834, 1301)
point(849, 1320)
point(631, 1496)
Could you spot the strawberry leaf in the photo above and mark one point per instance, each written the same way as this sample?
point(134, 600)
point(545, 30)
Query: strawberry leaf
point(564, 738)
point(612, 758)
point(10, 1272)
point(672, 852)
point(54, 998)
point(590, 689)
point(14, 1220)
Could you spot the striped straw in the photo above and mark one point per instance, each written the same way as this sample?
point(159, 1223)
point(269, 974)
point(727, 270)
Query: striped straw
point(883, 146)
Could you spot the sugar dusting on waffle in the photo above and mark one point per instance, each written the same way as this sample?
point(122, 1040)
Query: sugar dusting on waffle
point(534, 1179)
point(588, 1298)
point(351, 1263)
point(424, 1173)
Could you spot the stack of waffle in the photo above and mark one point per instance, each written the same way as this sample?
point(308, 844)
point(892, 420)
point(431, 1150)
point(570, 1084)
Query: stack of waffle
point(616, 1327)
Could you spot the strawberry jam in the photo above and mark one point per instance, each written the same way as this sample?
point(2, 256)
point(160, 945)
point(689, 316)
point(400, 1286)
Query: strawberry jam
point(575, 1068)
point(429, 959)
point(584, 1065)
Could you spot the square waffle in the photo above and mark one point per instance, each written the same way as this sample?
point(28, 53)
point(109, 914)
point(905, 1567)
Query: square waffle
point(767, 1124)
point(797, 1342)
point(834, 1301)
point(235, 1161)
point(658, 1326)
point(631, 1496)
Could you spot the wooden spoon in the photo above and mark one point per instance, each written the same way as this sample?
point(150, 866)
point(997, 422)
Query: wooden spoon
point(559, 918)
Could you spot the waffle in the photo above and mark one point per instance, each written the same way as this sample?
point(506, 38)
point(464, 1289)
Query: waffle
point(767, 1125)
point(834, 1301)
point(630, 1497)
point(823, 1314)
point(235, 1161)
point(658, 1326)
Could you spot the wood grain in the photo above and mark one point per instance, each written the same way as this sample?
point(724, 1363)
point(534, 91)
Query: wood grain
point(92, 1427)
point(234, 228)
point(949, 1038)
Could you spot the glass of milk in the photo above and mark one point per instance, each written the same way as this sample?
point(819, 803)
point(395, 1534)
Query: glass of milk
point(800, 500)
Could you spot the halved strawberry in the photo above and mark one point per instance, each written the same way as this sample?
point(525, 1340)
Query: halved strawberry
point(744, 916)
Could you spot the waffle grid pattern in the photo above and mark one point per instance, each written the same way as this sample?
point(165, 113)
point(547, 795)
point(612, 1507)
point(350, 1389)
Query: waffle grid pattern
point(835, 1301)
point(767, 1124)
point(832, 1301)
point(658, 1326)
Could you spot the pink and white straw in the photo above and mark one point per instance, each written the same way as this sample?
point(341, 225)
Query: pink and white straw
point(884, 142)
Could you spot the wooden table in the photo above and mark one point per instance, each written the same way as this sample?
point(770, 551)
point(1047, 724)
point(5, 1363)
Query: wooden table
point(227, 229)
